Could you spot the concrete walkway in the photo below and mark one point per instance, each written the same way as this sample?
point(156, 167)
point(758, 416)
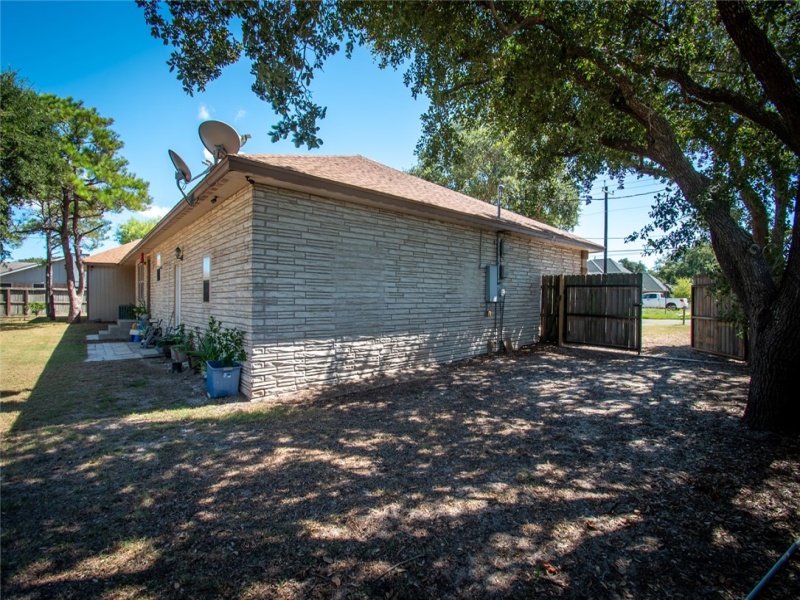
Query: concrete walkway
point(99, 351)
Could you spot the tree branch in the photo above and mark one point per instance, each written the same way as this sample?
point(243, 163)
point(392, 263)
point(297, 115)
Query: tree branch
point(522, 24)
point(767, 65)
point(738, 103)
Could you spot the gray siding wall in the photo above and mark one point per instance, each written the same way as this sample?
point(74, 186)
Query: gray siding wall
point(343, 293)
point(109, 286)
point(37, 274)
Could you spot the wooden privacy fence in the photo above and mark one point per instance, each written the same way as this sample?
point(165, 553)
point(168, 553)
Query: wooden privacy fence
point(600, 310)
point(15, 301)
point(711, 333)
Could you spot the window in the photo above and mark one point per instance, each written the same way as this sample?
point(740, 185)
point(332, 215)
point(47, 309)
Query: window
point(158, 267)
point(141, 282)
point(206, 278)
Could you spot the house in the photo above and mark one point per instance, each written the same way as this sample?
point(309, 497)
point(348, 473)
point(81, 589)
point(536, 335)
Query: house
point(650, 283)
point(109, 283)
point(340, 269)
point(32, 274)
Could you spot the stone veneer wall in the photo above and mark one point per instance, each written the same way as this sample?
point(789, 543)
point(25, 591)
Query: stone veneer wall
point(224, 234)
point(343, 293)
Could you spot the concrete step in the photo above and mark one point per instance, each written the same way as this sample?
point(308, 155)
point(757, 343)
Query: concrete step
point(117, 331)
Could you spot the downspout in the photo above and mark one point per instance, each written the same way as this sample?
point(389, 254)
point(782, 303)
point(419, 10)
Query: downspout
point(500, 189)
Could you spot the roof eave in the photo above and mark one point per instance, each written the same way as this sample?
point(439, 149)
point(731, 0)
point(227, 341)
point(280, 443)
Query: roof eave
point(258, 172)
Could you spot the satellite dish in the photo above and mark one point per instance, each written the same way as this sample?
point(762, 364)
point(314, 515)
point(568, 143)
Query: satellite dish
point(183, 176)
point(182, 172)
point(219, 138)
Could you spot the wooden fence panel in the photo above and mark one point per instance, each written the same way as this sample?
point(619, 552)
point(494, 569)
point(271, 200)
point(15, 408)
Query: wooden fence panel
point(14, 301)
point(710, 333)
point(599, 310)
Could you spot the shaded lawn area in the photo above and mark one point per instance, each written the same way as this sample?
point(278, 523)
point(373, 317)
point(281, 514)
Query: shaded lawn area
point(567, 473)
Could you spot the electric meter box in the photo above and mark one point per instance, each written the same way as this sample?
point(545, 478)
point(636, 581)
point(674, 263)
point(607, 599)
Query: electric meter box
point(492, 292)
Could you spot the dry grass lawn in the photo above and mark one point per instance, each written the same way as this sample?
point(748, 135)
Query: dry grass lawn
point(569, 473)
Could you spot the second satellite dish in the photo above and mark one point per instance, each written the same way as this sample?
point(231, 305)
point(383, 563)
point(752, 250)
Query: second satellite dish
point(220, 139)
point(182, 172)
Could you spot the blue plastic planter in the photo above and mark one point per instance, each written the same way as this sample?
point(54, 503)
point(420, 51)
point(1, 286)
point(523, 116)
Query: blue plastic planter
point(222, 381)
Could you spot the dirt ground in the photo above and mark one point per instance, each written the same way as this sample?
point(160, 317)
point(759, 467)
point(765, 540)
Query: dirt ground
point(566, 473)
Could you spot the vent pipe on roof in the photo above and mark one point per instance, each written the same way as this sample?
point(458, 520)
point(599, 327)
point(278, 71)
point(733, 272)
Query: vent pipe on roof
point(500, 189)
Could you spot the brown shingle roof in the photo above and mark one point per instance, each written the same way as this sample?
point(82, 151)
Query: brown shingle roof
point(111, 257)
point(367, 174)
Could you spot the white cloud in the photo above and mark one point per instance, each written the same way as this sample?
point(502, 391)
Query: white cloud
point(240, 114)
point(207, 155)
point(153, 212)
point(202, 112)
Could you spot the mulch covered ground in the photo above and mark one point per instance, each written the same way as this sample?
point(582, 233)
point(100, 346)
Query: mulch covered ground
point(568, 473)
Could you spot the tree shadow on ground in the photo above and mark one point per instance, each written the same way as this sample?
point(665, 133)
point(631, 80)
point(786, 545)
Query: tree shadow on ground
point(553, 473)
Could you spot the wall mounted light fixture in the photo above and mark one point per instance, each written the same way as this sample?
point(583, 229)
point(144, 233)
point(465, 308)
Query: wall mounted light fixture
point(178, 253)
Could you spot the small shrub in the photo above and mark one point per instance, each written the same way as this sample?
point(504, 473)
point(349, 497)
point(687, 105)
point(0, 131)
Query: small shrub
point(36, 307)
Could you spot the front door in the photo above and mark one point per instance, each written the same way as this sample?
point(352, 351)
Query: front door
point(177, 295)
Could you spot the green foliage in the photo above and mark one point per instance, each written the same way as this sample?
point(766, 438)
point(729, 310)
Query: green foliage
point(139, 309)
point(36, 307)
point(682, 288)
point(219, 344)
point(28, 153)
point(38, 261)
point(83, 177)
point(688, 263)
point(482, 160)
point(633, 266)
point(134, 229)
point(655, 88)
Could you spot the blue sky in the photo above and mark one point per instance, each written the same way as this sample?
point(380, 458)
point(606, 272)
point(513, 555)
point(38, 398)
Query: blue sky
point(103, 53)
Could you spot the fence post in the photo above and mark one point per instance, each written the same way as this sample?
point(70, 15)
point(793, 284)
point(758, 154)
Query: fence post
point(7, 292)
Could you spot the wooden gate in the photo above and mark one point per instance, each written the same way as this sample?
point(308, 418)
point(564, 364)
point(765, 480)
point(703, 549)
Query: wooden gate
point(712, 334)
point(599, 310)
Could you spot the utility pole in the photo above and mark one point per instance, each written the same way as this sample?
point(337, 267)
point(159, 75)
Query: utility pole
point(605, 231)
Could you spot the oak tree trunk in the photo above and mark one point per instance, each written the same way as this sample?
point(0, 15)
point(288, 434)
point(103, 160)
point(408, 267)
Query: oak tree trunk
point(773, 403)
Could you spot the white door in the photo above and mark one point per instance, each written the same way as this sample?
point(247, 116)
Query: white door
point(177, 295)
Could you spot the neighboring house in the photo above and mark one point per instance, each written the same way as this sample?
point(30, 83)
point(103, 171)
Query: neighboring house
point(650, 283)
point(109, 284)
point(595, 266)
point(10, 271)
point(341, 269)
point(32, 274)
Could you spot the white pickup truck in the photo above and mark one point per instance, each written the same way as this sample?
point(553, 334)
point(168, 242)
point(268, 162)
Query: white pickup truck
point(661, 300)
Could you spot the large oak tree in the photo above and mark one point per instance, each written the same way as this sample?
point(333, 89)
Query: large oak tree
point(703, 95)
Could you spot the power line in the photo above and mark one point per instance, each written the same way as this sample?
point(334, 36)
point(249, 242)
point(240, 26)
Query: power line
point(652, 193)
point(615, 210)
point(640, 184)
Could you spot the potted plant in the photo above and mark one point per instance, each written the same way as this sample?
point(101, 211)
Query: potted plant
point(167, 342)
point(194, 357)
point(140, 312)
point(224, 352)
point(179, 353)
